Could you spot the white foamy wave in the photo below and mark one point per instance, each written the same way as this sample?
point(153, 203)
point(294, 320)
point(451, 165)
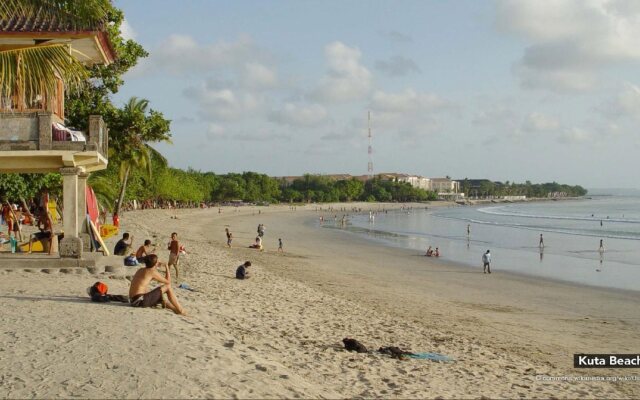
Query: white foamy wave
point(509, 213)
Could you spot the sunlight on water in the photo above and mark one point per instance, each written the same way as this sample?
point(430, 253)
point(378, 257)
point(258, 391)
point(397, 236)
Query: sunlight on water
point(571, 230)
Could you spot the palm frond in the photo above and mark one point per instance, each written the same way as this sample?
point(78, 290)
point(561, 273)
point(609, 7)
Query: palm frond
point(35, 71)
point(157, 156)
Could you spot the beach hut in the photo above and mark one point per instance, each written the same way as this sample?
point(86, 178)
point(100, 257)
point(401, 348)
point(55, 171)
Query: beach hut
point(33, 137)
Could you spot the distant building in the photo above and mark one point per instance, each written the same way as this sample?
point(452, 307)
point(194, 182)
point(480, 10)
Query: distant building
point(416, 181)
point(444, 185)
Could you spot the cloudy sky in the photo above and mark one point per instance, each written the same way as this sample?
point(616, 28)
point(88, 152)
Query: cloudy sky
point(507, 90)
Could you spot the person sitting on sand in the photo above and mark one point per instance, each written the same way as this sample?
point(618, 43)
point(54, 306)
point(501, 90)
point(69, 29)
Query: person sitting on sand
point(242, 272)
point(257, 244)
point(437, 252)
point(429, 252)
point(144, 251)
point(122, 247)
point(139, 294)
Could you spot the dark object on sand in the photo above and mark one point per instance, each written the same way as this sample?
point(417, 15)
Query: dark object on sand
point(98, 294)
point(395, 352)
point(354, 345)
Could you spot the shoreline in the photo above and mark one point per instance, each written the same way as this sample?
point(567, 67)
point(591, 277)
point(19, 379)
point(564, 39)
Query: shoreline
point(278, 334)
point(442, 261)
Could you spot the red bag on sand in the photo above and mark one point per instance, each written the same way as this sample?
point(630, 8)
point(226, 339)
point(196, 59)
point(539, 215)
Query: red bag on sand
point(99, 288)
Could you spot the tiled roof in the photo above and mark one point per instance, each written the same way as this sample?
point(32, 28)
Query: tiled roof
point(40, 22)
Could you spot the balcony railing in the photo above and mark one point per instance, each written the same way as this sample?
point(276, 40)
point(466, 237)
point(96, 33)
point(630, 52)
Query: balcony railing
point(34, 131)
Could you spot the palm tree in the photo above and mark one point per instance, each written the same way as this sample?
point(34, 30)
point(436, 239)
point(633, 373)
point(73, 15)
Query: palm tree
point(134, 128)
point(32, 71)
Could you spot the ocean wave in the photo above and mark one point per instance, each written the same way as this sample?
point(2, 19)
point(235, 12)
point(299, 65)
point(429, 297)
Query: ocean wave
point(565, 231)
point(497, 211)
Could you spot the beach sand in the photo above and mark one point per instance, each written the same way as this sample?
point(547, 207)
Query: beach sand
point(279, 334)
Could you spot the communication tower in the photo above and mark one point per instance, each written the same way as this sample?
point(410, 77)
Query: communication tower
point(370, 149)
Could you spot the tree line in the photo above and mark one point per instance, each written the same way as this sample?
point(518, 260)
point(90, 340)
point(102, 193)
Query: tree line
point(487, 188)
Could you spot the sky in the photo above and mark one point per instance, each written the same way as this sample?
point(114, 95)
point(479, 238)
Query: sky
point(505, 90)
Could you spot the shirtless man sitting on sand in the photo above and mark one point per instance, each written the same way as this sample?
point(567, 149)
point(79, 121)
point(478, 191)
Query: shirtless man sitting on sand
point(139, 296)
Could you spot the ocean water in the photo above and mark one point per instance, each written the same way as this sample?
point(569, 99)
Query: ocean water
point(571, 229)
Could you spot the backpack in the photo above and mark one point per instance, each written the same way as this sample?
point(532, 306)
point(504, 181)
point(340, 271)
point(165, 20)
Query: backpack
point(130, 261)
point(98, 292)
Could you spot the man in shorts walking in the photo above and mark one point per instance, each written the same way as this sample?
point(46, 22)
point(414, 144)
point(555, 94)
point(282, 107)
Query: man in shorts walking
point(486, 261)
point(139, 294)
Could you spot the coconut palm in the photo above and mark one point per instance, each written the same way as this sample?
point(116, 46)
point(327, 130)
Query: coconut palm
point(134, 127)
point(33, 71)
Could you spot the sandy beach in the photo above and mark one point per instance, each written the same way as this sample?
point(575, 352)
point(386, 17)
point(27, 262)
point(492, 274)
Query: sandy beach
point(278, 335)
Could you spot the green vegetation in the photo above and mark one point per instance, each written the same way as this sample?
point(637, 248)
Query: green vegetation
point(487, 188)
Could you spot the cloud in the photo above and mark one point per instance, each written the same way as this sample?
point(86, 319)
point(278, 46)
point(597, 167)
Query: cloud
point(407, 101)
point(397, 37)
point(538, 122)
point(299, 115)
point(338, 136)
point(258, 76)
point(409, 114)
point(575, 136)
point(224, 104)
point(625, 105)
point(397, 66)
point(127, 31)
point(570, 41)
point(346, 79)
point(215, 131)
point(181, 54)
point(184, 120)
point(495, 114)
point(257, 137)
point(218, 132)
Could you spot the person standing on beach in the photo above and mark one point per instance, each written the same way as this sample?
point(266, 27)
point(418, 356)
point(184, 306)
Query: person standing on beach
point(486, 261)
point(468, 230)
point(280, 245)
point(541, 244)
point(174, 253)
point(139, 294)
point(229, 237)
point(601, 249)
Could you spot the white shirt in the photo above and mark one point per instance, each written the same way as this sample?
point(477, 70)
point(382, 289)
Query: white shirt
point(486, 258)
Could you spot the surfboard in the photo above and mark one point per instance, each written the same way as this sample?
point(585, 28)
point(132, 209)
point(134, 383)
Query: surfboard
point(96, 234)
point(94, 243)
point(92, 207)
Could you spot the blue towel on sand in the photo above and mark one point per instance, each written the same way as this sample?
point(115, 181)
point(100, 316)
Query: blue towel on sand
point(432, 357)
point(186, 287)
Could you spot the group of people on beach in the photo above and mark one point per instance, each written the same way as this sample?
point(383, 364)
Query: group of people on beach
point(15, 217)
point(432, 253)
point(124, 246)
point(257, 244)
point(139, 293)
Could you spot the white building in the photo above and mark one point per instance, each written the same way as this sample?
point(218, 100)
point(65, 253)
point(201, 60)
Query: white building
point(444, 185)
point(416, 181)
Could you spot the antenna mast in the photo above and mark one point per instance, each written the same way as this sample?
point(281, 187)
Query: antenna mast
point(370, 149)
